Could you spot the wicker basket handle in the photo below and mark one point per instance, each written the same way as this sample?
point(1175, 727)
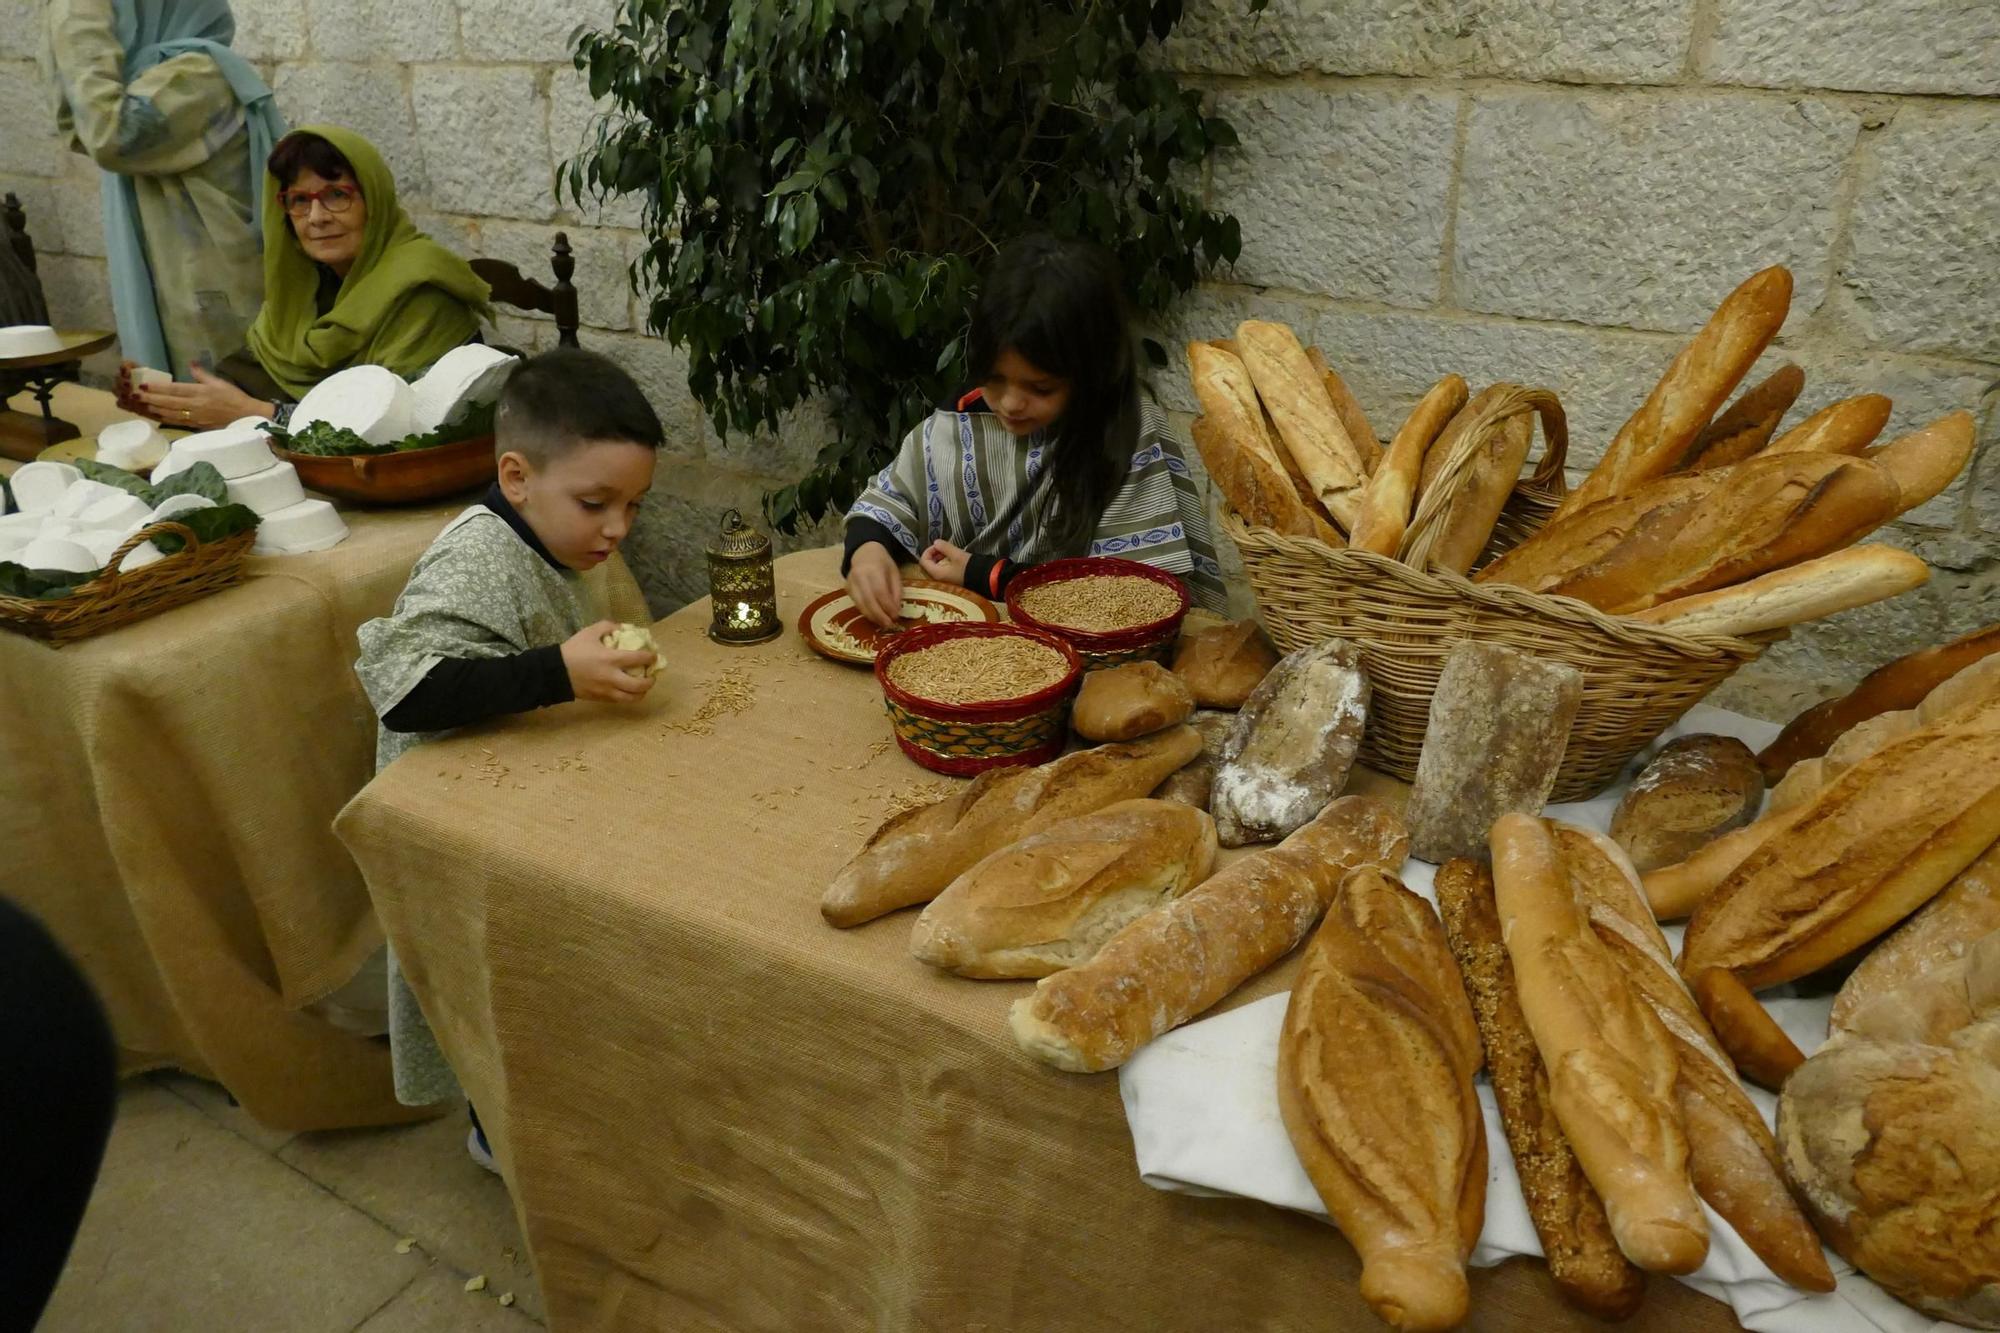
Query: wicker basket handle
point(165, 527)
point(1436, 500)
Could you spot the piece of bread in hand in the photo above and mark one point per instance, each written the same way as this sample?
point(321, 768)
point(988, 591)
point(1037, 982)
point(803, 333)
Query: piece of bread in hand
point(1052, 899)
point(1749, 423)
point(1123, 703)
point(1375, 1066)
point(1223, 664)
point(1391, 496)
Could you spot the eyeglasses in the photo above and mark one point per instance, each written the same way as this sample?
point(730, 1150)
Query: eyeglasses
point(334, 199)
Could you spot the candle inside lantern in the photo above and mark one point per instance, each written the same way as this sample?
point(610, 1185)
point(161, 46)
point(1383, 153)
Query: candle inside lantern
point(740, 584)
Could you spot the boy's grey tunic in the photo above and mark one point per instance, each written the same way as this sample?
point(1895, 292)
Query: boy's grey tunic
point(479, 591)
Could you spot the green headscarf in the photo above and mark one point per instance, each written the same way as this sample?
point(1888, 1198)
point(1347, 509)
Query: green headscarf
point(406, 301)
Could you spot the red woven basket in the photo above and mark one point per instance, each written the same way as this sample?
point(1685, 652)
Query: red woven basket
point(1149, 642)
point(964, 739)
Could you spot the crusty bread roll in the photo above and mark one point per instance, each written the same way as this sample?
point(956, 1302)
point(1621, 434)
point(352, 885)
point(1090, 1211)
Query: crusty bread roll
point(1375, 1067)
point(1698, 382)
point(1808, 590)
point(1392, 489)
point(1926, 461)
point(1690, 793)
point(1749, 423)
point(1173, 963)
point(1050, 900)
point(1756, 1044)
point(1935, 938)
point(1308, 427)
point(1900, 684)
point(1223, 664)
point(1731, 1158)
point(912, 857)
point(1292, 745)
point(1845, 427)
point(1875, 845)
point(1123, 703)
point(1583, 1257)
point(1611, 1063)
point(1467, 525)
point(1352, 419)
point(1962, 692)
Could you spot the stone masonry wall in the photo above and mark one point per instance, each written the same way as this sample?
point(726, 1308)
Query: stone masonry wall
point(1547, 191)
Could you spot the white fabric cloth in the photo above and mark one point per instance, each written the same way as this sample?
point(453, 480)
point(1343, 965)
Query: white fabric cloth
point(1203, 1109)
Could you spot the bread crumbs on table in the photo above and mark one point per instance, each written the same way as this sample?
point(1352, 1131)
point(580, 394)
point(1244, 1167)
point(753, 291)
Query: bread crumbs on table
point(476, 1283)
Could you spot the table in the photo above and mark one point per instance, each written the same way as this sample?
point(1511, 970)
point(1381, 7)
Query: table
point(23, 435)
point(715, 1111)
point(167, 792)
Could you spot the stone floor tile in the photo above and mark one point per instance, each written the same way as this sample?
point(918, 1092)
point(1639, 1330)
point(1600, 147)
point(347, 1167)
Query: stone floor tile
point(191, 1227)
point(212, 1100)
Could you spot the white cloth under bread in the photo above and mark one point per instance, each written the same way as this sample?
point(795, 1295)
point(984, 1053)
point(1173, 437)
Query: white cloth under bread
point(1202, 1105)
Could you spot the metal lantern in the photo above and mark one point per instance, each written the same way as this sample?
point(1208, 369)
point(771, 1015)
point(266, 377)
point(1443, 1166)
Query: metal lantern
point(743, 597)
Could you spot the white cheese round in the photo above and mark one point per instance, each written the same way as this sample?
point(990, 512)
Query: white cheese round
point(59, 553)
point(465, 375)
point(82, 495)
point(310, 525)
point(371, 401)
point(276, 487)
point(133, 445)
point(232, 452)
point(39, 487)
point(120, 513)
point(180, 504)
point(28, 340)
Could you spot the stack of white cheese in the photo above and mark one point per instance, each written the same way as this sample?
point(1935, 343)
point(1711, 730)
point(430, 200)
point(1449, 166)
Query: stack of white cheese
point(383, 408)
point(69, 523)
point(288, 523)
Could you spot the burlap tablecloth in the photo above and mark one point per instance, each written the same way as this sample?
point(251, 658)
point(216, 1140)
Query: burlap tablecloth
point(716, 1111)
point(167, 792)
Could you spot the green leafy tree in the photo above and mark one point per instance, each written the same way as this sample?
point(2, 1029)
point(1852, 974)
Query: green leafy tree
point(822, 180)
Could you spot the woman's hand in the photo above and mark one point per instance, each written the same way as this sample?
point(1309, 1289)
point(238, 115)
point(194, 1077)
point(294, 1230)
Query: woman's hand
point(875, 584)
point(944, 562)
point(605, 675)
point(208, 403)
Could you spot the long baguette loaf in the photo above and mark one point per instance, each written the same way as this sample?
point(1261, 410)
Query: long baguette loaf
point(1675, 891)
point(1483, 489)
point(1806, 591)
point(1698, 382)
point(1900, 684)
point(1309, 428)
point(1749, 423)
point(1583, 1257)
point(1589, 535)
point(1612, 1067)
point(1375, 1067)
point(1173, 963)
point(1240, 451)
point(1731, 1157)
point(1875, 845)
point(1845, 427)
point(1050, 900)
point(1352, 419)
point(912, 857)
point(1926, 461)
point(1392, 489)
point(1757, 1046)
point(1938, 936)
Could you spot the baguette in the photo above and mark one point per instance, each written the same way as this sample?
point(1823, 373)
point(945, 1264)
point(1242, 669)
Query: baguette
point(1675, 891)
point(1050, 900)
point(1392, 491)
point(1845, 427)
point(912, 857)
point(1900, 684)
point(1823, 586)
point(1583, 1257)
point(1612, 1067)
point(1749, 423)
point(1467, 524)
point(1731, 1156)
point(1308, 426)
point(1375, 1067)
point(1798, 785)
point(1587, 536)
point(1926, 461)
point(1698, 382)
point(1256, 489)
point(1875, 845)
point(1173, 963)
point(1755, 1042)
point(1967, 910)
point(1352, 419)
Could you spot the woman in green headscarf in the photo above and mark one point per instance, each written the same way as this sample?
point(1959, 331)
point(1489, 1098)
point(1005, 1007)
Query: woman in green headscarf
point(348, 281)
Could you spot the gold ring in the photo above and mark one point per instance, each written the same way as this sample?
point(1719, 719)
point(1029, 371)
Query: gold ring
point(187, 414)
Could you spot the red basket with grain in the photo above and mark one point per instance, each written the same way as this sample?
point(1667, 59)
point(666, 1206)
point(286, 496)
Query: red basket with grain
point(1079, 600)
point(942, 704)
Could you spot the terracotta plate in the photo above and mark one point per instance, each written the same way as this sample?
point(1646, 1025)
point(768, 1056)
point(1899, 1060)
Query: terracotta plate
point(834, 627)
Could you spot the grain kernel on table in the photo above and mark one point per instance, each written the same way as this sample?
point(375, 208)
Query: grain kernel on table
point(1100, 603)
point(963, 671)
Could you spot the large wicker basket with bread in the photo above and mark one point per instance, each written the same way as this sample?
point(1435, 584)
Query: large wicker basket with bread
point(1405, 619)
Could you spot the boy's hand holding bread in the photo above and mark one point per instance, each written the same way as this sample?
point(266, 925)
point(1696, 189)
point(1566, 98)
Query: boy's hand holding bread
point(600, 673)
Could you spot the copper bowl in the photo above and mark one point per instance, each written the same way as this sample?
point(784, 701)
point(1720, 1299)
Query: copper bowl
point(410, 477)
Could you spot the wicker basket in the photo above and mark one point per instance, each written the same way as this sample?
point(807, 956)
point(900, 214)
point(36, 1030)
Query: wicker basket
point(117, 598)
point(1637, 678)
point(1152, 642)
point(966, 739)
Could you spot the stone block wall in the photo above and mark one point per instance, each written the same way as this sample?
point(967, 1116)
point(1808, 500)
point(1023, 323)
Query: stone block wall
point(1548, 191)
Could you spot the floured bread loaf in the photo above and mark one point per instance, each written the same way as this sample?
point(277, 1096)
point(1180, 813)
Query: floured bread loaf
point(1191, 783)
point(628, 638)
point(371, 401)
point(1498, 728)
point(1292, 746)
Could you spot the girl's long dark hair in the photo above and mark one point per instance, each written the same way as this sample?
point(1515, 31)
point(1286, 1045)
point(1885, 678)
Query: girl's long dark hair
point(1060, 304)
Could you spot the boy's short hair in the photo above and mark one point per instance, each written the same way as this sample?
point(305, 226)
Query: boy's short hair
point(567, 397)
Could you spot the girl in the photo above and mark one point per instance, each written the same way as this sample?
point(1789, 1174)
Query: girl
point(1057, 452)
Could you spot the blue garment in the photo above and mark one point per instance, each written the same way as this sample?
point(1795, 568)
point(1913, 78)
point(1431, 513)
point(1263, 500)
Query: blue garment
point(151, 32)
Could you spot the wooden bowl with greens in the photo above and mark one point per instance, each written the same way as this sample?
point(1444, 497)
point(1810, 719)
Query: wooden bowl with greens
point(448, 461)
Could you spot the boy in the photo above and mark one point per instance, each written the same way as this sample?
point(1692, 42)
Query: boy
point(494, 618)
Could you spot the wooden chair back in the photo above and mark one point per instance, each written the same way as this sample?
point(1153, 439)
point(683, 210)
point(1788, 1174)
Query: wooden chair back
point(513, 288)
